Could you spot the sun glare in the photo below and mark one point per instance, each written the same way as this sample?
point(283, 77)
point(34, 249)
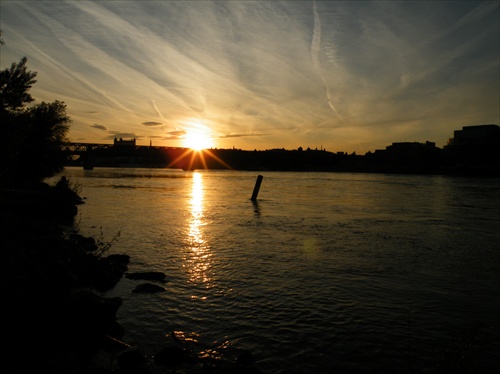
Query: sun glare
point(197, 140)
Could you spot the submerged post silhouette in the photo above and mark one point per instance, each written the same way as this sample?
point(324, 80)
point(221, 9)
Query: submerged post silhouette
point(256, 188)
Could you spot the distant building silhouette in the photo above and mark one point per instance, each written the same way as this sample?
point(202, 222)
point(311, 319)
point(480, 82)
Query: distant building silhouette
point(404, 157)
point(477, 135)
point(411, 153)
point(475, 147)
point(124, 143)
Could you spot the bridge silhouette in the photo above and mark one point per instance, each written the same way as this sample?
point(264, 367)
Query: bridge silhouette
point(122, 153)
point(82, 148)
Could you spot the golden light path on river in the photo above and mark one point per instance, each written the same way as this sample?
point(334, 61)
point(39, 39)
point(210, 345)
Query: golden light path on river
point(198, 257)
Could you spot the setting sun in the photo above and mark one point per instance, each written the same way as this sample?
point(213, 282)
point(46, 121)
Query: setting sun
point(197, 140)
point(197, 137)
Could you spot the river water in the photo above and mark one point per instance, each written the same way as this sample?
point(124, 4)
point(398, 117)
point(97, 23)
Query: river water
point(325, 272)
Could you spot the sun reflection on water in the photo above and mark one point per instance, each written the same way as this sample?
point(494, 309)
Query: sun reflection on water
point(198, 257)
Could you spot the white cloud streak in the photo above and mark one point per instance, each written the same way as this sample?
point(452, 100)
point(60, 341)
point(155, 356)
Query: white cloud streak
point(315, 51)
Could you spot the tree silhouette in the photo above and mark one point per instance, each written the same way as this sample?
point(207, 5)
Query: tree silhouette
point(14, 86)
point(33, 136)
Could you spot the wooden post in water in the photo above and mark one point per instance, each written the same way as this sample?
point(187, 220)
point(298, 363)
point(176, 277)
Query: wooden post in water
point(257, 187)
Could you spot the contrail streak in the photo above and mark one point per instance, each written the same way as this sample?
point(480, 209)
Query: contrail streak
point(163, 119)
point(158, 110)
point(315, 49)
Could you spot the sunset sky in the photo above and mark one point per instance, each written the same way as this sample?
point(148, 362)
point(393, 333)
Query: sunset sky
point(341, 75)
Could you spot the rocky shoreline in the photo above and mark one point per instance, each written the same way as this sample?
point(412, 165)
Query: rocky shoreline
point(53, 281)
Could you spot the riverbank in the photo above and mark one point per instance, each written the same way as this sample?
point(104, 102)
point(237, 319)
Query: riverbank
point(53, 283)
point(51, 280)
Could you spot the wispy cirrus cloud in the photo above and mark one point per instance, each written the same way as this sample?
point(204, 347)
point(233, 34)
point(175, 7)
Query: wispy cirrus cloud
point(262, 73)
point(238, 135)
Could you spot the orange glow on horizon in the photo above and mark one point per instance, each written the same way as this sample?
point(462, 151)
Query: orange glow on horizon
point(191, 159)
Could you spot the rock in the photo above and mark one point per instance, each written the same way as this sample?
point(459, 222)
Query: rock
point(89, 304)
point(148, 275)
point(86, 243)
point(120, 261)
point(90, 317)
point(148, 288)
point(130, 359)
point(171, 356)
point(109, 270)
point(111, 344)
